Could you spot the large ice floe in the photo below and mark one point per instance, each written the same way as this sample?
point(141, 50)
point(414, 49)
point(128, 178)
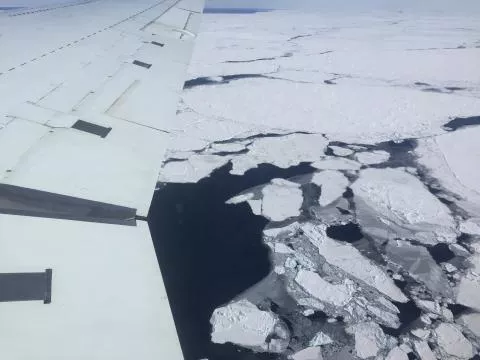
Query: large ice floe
point(375, 253)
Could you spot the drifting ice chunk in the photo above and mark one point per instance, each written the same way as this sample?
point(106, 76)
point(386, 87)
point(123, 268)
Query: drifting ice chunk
point(337, 295)
point(350, 260)
point(452, 342)
point(341, 151)
point(450, 268)
point(459, 250)
point(472, 322)
point(333, 184)
point(471, 226)
point(421, 333)
point(243, 324)
point(256, 206)
point(321, 339)
point(281, 248)
point(429, 306)
point(467, 294)
point(372, 157)
point(281, 199)
point(390, 193)
point(384, 317)
point(397, 354)
point(424, 351)
point(311, 353)
point(369, 339)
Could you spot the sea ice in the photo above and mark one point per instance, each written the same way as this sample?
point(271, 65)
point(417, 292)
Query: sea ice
point(350, 260)
point(277, 201)
point(397, 354)
point(472, 322)
point(372, 157)
point(310, 353)
point(369, 339)
point(337, 295)
point(242, 323)
point(418, 262)
point(284, 151)
point(467, 292)
point(451, 340)
point(193, 169)
point(321, 339)
point(332, 183)
point(335, 163)
point(424, 351)
point(341, 151)
point(390, 192)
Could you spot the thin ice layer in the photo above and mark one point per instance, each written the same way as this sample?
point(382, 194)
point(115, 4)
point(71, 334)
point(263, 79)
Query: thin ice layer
point(418, 262)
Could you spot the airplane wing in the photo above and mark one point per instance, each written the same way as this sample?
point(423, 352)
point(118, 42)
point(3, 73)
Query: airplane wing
point(84, 90)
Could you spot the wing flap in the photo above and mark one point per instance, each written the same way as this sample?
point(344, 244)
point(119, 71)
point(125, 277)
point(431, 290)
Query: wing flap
point(107, 297)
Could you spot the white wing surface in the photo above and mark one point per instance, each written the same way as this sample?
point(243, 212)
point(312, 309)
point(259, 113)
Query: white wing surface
point(84, 90)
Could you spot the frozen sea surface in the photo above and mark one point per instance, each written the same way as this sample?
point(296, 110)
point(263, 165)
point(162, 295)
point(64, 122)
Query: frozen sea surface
point(321, 198)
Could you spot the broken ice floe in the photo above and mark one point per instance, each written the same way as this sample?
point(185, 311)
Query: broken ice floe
point(277, 201)
point(310, 353)
point(468, 292)
point(395, 204)
point(452, 343)
point(290, 150)
point(369, 339)
point(242, 323)
point(424, 351)
point(333, 184)
point(397, 354)
point(321, 339)
point(350, 260)
point(417, 261)
point(341, 151)
point(372, 157)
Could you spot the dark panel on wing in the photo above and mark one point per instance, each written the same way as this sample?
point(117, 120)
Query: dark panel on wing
point(26, 287)
point(158, 44)
point(91, 128)
point(142, 64)
point(17, 200)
